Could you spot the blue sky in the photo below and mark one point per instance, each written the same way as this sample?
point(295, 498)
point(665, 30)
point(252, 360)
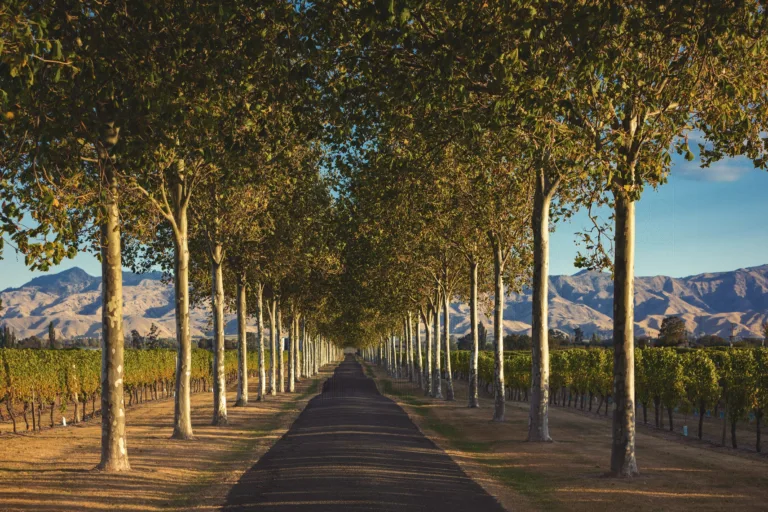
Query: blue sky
point(702, 220)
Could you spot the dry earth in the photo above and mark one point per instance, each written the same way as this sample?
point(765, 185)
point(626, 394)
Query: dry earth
point(53, 470)
point(569, 474)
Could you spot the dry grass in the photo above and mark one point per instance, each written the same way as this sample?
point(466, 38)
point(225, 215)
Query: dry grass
point(568, 474)
point(53, 470)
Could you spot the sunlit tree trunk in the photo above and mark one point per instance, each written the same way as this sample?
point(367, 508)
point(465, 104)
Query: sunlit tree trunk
point(114, 448)
point(315, 345)
point(292, 352)
point(419, 363)
point(427, 318)
point(301, 341)
point(623, 462)
point(280, 349)
point(538, 424)
point(498, 329)
point(273, 346)
point(182, 417)
point(474, 399)
point(219, 375)
point(260, 327)
point(409, 345)
point(242, 342)
point(447, 337)
point(436, 377)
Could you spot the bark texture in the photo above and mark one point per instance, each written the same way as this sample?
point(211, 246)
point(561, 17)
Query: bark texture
point(474, 398)
point(219, 375)
point(623, 462)
point(280, 349)
point(182, 417)
point(242, 343)
point(292, 353)
point(498, 331)
point(273, 346)
point(114, 448)
point(449, 395)
point(429, 386)
point(437, 380)
point(538, 420)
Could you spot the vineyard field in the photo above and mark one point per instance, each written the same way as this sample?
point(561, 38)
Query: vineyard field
point(36, 385)
point(730, 386)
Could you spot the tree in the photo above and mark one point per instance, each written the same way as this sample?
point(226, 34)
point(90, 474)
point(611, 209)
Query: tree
point(137, 340)
point(518, 341)
point(73, 151)
point(51, 336)
point(672, 332)
point(639, 83)
point(578, 335)
point(151, 339)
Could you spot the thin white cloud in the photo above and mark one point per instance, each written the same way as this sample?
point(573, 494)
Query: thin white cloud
point(728, 170)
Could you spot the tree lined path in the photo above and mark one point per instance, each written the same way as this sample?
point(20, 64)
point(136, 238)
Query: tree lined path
point(354, 449)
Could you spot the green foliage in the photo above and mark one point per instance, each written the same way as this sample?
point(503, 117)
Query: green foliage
point(684, 379)
point(702, 387)
point(741, 383)
point(47, 374)
point(672, 332)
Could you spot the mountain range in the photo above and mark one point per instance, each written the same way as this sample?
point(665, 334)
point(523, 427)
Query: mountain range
point(709, 303)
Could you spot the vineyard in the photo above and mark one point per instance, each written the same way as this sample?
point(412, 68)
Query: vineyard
point(34, 380)
point(731, 384)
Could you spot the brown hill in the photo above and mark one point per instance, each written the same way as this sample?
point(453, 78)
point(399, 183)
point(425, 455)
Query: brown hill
point(707, 302)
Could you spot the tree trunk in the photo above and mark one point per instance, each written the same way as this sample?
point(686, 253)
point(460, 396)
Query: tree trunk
point(449, 394)
point(280, 349)
point(733, 433)
point(301, 339)
point(427, 318)
point(409, 340)
point(725, 417)
point(182, 417)
point(670, 410)
point(242, 342)
point(114, 449)
point(316, 356)
point(437, 380)
point(623, 461)
point(217, 298)
point(9, 407)
point(758, 418)
point(701, 419)
point(419, 363)
point(273, 345)
point(498, 329)
point(474, 398)
point(292, 353)
point(538, 420)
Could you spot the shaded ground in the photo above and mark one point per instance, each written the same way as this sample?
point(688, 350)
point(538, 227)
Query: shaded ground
point(676, 473)
point(52, 470)
point(354, 449)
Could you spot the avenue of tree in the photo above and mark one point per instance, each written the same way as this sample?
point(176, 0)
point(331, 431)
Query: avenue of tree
point(342, 171)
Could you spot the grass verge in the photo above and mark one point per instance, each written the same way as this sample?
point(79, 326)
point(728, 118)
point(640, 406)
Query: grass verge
point(528, 483)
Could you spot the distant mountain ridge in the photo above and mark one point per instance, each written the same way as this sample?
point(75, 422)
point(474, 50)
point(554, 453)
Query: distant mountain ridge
point(708, 303)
